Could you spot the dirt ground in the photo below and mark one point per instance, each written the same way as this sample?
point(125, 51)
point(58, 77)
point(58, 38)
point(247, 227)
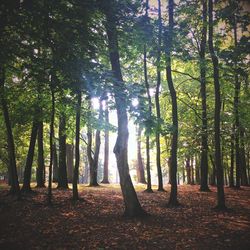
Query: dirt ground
point(97, 222)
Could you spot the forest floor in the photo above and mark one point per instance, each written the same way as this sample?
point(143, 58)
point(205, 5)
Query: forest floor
point(97, 222)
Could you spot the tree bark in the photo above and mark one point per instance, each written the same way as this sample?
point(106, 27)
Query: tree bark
point(219, 169)
point(131, 202)
point(70, 161)
point(244, 181)
point(213, 174)
point(149, 186)
point(204, 145)
point(139, 166)
point(15, 188)
point(236, 113)
point(197, 170)
point(93, 161)
point(106, 147)
point(77, 143)
point(29, 160)
point(41, 166)
point(157, 102)
point(62, 170)
point(188, 169)
point(231, 175)
point(55, 163)
point(173, 201)
point(51, 139)
point(192, 170)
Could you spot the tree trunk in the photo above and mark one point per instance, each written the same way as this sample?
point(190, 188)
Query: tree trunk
point(40, 162)
point(70, 161)
point(183, 175)
point(29, 160)
point(231, 176)
point(244, 181)
point(149, 186)
point(188, 169)
point(157, 102)
point(15, 188)
point(204, 136)
point(192, 170)
point(93, 161)
point(106, 147)
point(77, 143)
point(213, 174)
point(248, 165)
point(139, 166)
point(197, 170)
point(62, 170)
point(219, 169)
point(132, 205)
point(173, 194)
point(236, 112)
point(51, 139)
point(55, 164)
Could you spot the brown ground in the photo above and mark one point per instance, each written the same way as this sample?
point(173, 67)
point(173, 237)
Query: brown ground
point(97, 222)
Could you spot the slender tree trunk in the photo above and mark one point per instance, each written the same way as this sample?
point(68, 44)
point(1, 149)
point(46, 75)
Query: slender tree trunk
point(70, 161)
point(106, 147)
point(41, 166)
point(149, 186)
point(157, 102)
point(192, 170)
point(93, 161)
point(77, 143)
point(183, 174)
point(51, 139)
point(218, 164)
point(231, 176)
point(244, 181)
point(173, 194)
point(213, 174)
point(248, 164)
point(140, 167)
point(29, 160)
point(55, 164)
point(197, 170)
point(15, 189)
point(204, 136)
point(236, 112)
point(226, 175)
point(132, 205)
point(188, 170)
point(62, 170)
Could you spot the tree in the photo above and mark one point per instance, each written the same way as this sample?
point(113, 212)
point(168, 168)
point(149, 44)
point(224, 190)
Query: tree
point(132, 205)
point(217, 147)
point(173, 164)
point(93, 161)
point(106, 145)
point(157, 103)
point(62, 171)
point(40, 162)
point(204, 136)
point(77, 142)
point(145, 70)
point(28, 167)
point(139, 165)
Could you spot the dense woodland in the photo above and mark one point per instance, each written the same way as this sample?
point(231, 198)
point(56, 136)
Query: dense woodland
point(178, 70)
